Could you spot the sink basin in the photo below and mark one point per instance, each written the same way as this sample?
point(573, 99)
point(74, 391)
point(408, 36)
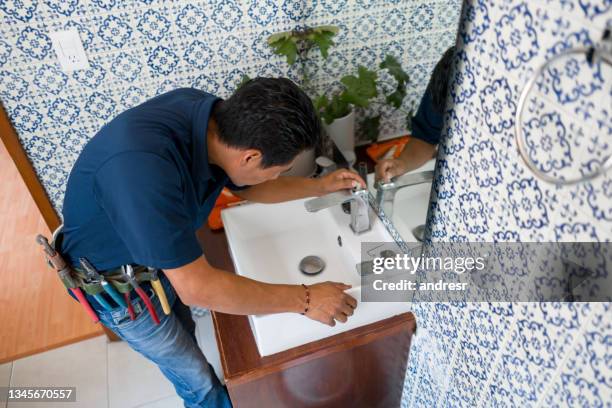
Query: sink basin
point(267, 243)
point(410, 204)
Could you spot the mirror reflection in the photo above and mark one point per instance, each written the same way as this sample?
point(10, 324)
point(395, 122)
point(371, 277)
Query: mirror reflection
point(403, 174)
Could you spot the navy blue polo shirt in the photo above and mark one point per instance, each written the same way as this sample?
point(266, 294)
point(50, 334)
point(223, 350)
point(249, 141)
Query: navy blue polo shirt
point(427, 122)
point(143, 185)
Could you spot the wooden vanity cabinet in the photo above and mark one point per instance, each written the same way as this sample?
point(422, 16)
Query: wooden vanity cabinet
point(364, 367)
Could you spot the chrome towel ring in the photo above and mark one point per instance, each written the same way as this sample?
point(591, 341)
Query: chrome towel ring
point(592, 54)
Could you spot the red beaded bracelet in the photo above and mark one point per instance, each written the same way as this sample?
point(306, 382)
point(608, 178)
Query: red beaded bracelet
point(307, 299)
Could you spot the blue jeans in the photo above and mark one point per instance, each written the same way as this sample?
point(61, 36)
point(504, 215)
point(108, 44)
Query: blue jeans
point(171, 345)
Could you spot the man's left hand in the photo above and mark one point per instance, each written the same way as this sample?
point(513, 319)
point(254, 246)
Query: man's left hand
point(341, 179)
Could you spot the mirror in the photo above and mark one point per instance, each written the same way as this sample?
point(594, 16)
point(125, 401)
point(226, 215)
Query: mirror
point(401, 183)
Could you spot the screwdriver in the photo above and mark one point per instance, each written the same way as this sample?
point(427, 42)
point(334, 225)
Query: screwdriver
point(159, 291)
point(128, 274)
point(94, 275)
point(63, 270)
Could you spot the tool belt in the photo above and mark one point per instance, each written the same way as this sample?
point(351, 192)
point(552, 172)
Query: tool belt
point(87, 279)
point(114, 276)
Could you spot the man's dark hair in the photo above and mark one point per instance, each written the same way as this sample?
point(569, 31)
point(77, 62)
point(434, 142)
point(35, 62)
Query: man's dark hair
point(438, 83)
point(272, 115)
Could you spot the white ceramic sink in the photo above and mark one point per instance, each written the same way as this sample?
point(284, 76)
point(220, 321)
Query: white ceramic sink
point(267, 242)
point(410, 204)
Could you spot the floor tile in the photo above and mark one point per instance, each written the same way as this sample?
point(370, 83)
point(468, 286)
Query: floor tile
point(171, 402)
point(5, 374)
point(133, 380)
point(81, 365)
point(5, 378)
point(205, 333)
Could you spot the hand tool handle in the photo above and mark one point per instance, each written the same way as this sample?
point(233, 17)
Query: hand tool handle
point(148, 303)
point(130, 308)
point(83, 301)
point(161, 294)
point(100, 299)
point(90, 271)
point(112, 292)
point(52, 255)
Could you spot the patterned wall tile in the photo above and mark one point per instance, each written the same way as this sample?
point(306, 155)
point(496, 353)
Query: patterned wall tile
point(138, 49)
point(522, 354)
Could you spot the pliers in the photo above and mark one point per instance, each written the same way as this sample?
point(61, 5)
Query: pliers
point(128, 274)
point(94, 276)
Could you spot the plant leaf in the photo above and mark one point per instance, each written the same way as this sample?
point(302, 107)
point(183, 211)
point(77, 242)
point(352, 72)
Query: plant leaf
point(396, 98)
point(323, 39)
point(392, 65)
point(321, 102)
point(278, 36)
point(370, 127)
point(286, 46)
point(336, 108)
point(244, 80)
point(409, 118)
point(326, 28)
point(359, 90)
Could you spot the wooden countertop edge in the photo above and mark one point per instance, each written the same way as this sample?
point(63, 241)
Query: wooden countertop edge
point(358, 336)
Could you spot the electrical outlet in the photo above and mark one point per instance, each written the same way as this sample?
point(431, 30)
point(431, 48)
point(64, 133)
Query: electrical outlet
point(69, 50)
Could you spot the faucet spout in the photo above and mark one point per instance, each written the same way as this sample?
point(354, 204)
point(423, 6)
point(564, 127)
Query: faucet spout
point(385, 192)
point(360, 215)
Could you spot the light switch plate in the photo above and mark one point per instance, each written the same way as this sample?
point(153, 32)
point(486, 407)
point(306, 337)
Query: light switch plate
point(69, 50)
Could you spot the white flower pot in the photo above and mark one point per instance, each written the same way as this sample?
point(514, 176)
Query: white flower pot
point(342, 132)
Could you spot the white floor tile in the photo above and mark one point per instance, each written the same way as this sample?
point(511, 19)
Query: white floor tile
point(81, 365)
point(205, 333)
point(171, 402)
point(5, 378)
point(5, 374)
point(133, 380)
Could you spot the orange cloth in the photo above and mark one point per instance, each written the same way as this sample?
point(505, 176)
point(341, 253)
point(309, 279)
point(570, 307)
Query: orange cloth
point(225, 199)
point(378, 150)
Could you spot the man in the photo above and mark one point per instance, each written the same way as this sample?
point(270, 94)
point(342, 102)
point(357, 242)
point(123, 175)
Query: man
point(147, 181)
point(426, 125)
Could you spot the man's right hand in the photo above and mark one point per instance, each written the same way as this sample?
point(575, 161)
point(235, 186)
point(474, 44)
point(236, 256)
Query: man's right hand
point(329, 303)
point(389, 168)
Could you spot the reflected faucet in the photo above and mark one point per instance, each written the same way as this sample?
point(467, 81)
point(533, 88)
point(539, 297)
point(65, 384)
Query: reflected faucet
point(385, 192)
point(360, 206)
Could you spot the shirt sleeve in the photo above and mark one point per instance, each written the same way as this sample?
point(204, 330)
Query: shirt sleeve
point(142, 195)
point(427, 123)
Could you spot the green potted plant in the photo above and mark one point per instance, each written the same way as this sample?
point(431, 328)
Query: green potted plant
point(358, 91)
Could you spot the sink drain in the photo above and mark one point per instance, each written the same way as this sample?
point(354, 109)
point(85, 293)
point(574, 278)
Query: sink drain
point(387, 253)
point(312, 265)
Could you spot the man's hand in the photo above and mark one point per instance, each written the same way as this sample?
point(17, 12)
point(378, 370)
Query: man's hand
point(339, 180)
point(387, 169)
point(329, 303)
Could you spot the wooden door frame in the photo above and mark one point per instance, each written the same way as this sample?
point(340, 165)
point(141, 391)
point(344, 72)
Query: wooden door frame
point(11, 141)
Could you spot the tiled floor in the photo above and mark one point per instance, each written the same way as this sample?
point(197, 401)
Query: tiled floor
point(109, 375)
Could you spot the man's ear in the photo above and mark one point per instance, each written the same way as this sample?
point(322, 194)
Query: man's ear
point(251, 157)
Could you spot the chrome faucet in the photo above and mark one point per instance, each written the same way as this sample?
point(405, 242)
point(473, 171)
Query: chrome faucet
point(360, 206)
point(385, 192)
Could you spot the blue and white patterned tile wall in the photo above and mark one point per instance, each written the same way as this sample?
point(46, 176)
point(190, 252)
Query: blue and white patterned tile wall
point(140, 48)
point(520, 354)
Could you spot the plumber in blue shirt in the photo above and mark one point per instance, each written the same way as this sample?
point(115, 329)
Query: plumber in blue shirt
point(146, 182)
point(427, 125)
